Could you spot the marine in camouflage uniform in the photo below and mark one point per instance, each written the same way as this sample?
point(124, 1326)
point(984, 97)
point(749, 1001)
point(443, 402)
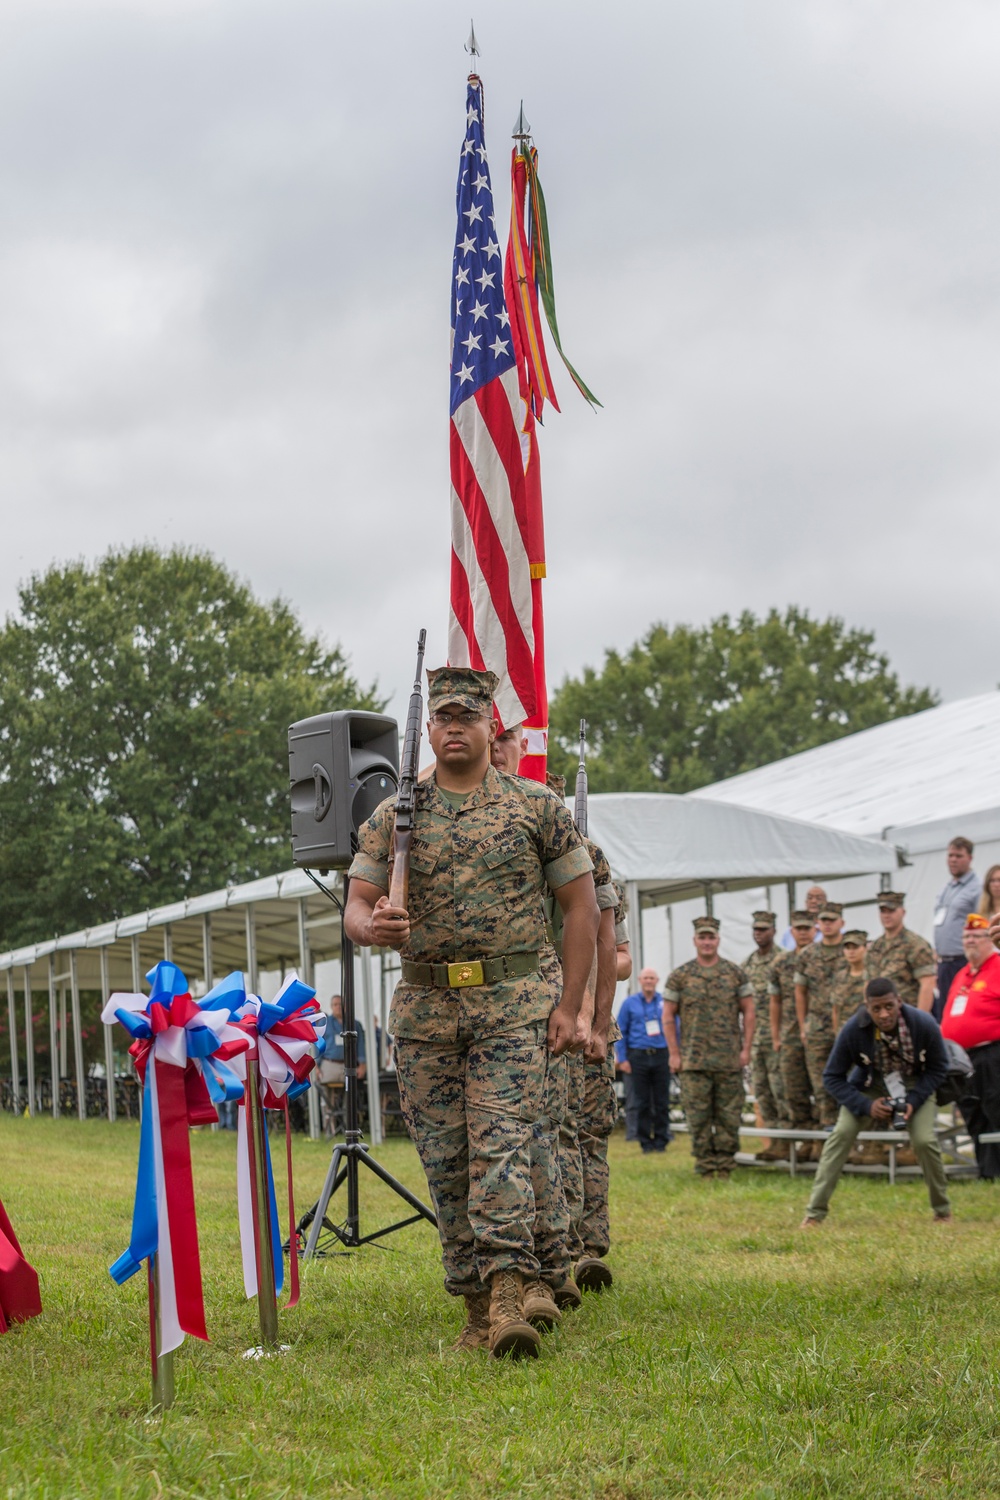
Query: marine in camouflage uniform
point(561, 1184)
point(817, 969)
point(765, 1061)
point(847, 993)
point(598, 1115)
point(710, 998)
point(901, 956)
point(794, 1067)
point(471, 1013)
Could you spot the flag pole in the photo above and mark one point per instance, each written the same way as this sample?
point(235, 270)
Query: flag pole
point(161, 1365)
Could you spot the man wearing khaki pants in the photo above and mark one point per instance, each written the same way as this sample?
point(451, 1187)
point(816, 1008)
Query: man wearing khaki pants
point(886, 1053)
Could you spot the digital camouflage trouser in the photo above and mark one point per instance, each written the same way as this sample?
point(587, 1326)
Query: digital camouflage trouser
point(820, 1037)
point(470, 1108)
point(795, 1077)
point(712, 1104)
point(597, 1121)
point(570, 1163)
point(765, 1074)
point(551, 1229)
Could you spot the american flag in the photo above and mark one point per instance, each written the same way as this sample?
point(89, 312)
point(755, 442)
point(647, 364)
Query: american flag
point(491, 607)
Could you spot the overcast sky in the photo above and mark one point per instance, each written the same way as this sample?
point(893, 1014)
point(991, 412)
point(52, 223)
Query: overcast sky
point(226, 230)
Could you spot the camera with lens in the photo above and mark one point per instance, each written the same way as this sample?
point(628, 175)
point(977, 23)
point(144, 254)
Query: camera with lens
point(896, 1100)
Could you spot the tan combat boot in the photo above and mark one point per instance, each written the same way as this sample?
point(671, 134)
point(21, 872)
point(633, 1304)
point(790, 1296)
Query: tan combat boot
point(539, 1305)
point(476, 1333)
point(567, 1297)
point(592, 1275)
point(509, 1333)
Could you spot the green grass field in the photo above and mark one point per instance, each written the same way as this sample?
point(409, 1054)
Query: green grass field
point(735, 1356)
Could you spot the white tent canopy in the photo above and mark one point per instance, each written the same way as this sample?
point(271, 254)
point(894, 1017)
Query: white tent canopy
point(672, 848)
point(917, 782)
point(935, 766)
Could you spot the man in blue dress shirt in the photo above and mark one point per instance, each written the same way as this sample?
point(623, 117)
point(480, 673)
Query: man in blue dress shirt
point(959, 897)
point(332, 1067)
point(642, 1052)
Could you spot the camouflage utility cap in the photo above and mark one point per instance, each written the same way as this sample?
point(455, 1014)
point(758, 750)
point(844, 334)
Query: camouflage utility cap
point(764, 919)
point(803, 919)
point(891, 900)
point(462, 685)
point(706, 924)
point(856, 935)
point(831, 909)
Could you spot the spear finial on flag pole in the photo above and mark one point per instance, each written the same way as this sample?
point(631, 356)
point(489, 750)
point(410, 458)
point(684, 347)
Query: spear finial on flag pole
point(522, 130)
point(472, 46)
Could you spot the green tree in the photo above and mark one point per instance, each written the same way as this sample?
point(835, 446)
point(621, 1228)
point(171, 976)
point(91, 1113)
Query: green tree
point(686, 707)
point(144, 703)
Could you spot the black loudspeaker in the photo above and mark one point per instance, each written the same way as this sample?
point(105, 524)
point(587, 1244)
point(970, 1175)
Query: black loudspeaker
point(340, 766)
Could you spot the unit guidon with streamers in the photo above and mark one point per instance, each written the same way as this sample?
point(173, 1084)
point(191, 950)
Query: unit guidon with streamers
point(491, 607)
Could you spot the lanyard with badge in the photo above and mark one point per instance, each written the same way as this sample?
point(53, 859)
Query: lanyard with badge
point(655, 1028)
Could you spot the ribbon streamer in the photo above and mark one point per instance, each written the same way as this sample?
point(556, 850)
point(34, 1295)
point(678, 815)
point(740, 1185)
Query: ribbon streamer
point(19, 1295)
point(182, 1053)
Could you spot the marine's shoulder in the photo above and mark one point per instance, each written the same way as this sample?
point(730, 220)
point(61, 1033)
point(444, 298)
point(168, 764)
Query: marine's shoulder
point(535, 793)
point(382, 814)
point(690, 969)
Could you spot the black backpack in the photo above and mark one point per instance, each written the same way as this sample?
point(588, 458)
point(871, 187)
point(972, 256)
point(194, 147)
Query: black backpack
point(960, 1070)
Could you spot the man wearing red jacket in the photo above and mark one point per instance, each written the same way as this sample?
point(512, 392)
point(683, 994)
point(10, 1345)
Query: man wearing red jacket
point(972, 1019)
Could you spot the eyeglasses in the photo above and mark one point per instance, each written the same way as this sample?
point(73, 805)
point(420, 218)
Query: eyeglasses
point(445, 721)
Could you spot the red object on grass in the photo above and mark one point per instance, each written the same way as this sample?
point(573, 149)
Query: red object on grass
point(19, 1295)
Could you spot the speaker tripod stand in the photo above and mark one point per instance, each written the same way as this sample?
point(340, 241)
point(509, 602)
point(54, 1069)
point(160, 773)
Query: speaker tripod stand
point(351, 1155)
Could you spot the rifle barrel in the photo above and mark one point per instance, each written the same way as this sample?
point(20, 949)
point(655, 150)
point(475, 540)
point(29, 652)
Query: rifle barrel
point(580, 801)
point(400, 884)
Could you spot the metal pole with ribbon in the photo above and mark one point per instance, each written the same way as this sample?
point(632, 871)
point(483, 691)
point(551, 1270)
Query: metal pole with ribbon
point(181, 1052)
point(161, 1365)
point(262, 1191)
point(283, 1039)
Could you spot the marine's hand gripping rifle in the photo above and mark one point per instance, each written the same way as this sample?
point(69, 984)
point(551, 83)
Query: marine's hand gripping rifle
point(402, 837)
point(580, 803)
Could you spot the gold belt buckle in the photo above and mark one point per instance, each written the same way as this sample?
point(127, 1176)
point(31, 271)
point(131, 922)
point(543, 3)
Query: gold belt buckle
point(459, 975)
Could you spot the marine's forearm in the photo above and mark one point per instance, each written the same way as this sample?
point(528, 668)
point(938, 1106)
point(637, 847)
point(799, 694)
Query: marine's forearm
point(607, 972)
point(579, 937)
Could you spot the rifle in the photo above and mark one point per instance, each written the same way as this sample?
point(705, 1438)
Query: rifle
point(580, 804)
point(402, 836)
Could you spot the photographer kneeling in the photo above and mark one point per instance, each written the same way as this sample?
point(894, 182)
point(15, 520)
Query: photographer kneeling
point(885, 1065)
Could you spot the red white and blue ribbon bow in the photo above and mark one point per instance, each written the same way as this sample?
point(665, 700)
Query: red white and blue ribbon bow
point(285, 1037)
point(183, 1052)
point(289, 1035)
